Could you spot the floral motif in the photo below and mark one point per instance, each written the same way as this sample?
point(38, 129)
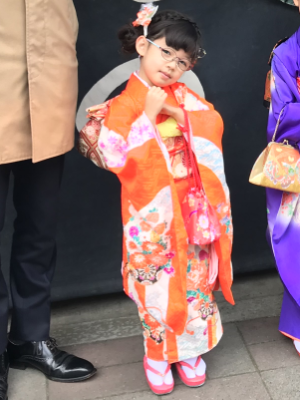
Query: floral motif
point(290, 207)
point(141, 131)
point(145, 226)
point(203, 222)
point(152, 247)
point(200, 218)
point(152, 328)
point(224, 212)
point(152, 217)
point(170, 255)
point(158, 260)
point(191, 103)
point(206, 310)
point(169, 270)
point(199, 291)
point(115, 148)
point(133, 231)
point(148, 247)
point(197, 274)
point(139, 260)
point(282, 167)
point(132, 246)
point(147, 275)
point(288, 203)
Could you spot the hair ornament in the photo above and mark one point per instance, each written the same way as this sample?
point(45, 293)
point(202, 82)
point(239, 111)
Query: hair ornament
point(145, 15)
point(201, 53)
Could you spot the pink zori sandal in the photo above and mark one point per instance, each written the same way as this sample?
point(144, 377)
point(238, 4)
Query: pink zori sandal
point(158, 389)
point(191, 382)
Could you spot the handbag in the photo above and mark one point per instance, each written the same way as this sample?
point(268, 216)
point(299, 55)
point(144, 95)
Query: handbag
point(278, 166)
point(87, 144)
point(200, 218)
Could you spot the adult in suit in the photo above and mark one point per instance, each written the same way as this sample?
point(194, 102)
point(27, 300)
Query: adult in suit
point(38, 96)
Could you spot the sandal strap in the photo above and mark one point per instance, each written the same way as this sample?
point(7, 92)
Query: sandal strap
point(157, 372)
point(185, 364)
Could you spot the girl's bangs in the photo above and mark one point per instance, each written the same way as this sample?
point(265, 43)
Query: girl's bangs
point(182, 36)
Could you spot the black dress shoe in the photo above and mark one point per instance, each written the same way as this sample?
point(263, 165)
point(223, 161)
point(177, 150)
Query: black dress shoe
point(4, 367)
point(56, 364)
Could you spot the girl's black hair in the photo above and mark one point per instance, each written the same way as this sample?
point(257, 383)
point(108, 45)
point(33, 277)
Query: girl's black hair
point(180, 32)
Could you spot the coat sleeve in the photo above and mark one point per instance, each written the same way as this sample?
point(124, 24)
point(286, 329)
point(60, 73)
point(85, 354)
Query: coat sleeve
point(284, 95)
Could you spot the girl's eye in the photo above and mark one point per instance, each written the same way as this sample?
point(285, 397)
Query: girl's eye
point(183, 63)
point(166, 52)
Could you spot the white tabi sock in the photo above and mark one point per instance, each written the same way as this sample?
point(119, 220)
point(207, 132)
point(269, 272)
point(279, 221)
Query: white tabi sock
point(297, 345)
point(199, 371)
point(161, 367)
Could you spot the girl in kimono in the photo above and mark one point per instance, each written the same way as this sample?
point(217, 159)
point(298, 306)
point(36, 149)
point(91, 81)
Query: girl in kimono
point(170, 280)
point(283, 207)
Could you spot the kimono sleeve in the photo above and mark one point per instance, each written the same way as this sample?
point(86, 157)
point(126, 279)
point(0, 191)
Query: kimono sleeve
point(284, 95)
point(131, 147)
point(207, 129)
point(205, 120)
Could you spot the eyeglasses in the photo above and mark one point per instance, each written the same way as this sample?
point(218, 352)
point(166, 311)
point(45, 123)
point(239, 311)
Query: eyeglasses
point(170, 55)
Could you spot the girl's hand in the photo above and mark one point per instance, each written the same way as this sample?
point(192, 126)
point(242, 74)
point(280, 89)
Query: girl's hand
point(154, 103)
point(174, 112)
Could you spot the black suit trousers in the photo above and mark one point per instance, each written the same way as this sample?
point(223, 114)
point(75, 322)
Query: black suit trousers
point(33, 254)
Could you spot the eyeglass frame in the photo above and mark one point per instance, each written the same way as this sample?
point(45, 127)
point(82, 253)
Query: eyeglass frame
point(177, 59)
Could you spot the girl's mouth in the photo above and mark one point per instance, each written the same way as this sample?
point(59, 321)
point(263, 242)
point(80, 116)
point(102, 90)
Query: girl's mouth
point(164, 75)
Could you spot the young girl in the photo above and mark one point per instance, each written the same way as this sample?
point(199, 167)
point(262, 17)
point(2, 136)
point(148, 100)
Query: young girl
point(169, 279)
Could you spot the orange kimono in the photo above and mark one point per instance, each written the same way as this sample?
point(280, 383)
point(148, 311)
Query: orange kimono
point(164, 275)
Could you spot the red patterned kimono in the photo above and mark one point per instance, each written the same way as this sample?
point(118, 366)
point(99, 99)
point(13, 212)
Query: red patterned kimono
point(165, 276)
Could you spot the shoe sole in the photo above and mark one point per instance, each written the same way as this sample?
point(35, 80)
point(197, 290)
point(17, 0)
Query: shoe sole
point(23, 366)
point(158, 394)
point(193, 386)
point(80, 379)
point(161, 394)
point(197, 385)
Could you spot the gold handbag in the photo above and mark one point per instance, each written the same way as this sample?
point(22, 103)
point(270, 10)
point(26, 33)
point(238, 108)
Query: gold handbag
point(278, 166)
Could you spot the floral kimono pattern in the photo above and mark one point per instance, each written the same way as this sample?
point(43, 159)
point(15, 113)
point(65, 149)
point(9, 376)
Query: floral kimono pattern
point(165, 276)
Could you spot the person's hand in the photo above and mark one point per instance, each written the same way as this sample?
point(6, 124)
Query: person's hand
point(297, 3)
point(154, 103)
point(174, 112)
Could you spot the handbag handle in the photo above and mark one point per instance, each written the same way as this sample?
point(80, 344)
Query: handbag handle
point(186, 129)
point(277, 125)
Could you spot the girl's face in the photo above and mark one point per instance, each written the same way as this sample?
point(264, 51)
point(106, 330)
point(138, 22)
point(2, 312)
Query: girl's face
point(155, 70)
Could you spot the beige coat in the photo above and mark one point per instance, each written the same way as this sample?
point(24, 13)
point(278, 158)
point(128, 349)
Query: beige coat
point(38, 78)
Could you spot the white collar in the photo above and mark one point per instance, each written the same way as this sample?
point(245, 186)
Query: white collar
point(136, 73)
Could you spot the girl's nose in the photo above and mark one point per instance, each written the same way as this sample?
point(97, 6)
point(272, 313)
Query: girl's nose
point(172, 64)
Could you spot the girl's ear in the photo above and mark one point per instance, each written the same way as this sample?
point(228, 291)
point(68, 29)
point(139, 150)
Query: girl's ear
point(141, 45)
